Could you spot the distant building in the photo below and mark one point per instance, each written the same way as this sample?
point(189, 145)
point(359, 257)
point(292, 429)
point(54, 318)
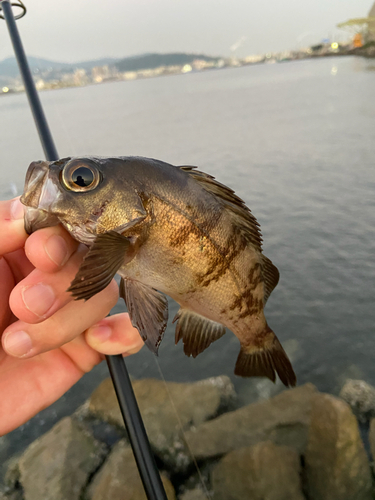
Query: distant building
point(40, 84)
point(101, 73)
point(199, 64)
point(129, 75)
point(80, 77)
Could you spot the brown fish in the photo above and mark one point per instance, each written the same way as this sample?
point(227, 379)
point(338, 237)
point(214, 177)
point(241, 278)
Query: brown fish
point(165, 230)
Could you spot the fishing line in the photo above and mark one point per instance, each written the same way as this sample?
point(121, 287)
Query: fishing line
point(143, 455)
point(201, 478)
point(129, 408)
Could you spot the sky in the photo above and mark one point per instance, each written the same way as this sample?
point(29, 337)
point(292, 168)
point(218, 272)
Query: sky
point(79, 30)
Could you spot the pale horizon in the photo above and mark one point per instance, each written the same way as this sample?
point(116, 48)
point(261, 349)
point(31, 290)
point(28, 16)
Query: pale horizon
point(83, 30)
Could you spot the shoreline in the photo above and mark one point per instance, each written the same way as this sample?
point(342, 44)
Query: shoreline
point(298, 444)
point(368, 53)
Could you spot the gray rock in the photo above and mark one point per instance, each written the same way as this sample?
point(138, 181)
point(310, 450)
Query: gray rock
point(57, 465)
point(13, 495)
point(262, 471)
point(199, 482)
point(12, 475)
point(361, 397)
point(196, 494)
point(371, 438)
point(343, 374)
point(336, 464)
point(283, 419)
point(225, 387)
point(119, 479)
point(12, 489)
point(166, 408)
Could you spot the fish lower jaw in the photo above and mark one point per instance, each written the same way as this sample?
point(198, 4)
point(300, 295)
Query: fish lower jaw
point(80, 233)
point(37, 218)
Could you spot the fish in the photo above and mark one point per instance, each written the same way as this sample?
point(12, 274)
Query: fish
point(166, 230)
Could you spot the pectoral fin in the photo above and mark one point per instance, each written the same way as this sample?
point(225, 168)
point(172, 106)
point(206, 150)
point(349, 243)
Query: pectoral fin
point(100, 264)
point(196, 332)
point(148, 311)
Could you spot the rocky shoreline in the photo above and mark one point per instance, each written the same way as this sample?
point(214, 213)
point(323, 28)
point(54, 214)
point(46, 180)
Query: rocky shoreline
point(300, 444)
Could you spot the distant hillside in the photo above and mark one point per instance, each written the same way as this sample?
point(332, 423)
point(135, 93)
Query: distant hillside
point(151, 61)
point(9, 68)
point(53, 70)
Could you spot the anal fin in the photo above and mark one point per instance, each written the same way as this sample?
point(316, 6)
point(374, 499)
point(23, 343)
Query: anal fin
point(148, 311)
point(196, 332)
point(266, 361)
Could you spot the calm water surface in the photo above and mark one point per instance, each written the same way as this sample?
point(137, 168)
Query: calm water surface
point(297, 143)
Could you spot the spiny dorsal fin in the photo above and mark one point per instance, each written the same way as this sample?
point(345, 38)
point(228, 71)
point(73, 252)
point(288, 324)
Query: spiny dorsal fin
point(196, 332)
point(271, 276)
point(245, 220)
point(148, 311)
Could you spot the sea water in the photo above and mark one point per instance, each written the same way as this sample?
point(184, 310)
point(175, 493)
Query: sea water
point(296, 141)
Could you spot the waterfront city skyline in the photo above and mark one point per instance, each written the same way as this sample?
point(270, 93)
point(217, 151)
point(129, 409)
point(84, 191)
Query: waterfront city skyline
point(84, 30)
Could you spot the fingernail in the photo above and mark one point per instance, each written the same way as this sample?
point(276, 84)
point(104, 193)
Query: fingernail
point(57, 249)
point(16, 210)
point(100, 333)
point(38, 299)
point(18, 344)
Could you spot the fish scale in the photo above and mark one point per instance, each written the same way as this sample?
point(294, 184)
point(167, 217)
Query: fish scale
point(165, 230)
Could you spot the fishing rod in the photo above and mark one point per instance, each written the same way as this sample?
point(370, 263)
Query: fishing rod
point(125, 395)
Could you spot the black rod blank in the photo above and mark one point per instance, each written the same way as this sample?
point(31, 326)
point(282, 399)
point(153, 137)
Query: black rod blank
point(128, 404)
point(136, 431)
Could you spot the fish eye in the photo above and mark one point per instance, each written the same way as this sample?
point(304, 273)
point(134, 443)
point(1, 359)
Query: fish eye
point(80, 177)
point(83, 177)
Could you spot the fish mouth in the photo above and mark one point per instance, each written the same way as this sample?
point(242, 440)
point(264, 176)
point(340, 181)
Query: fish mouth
point(40, 193)
point(36, 218)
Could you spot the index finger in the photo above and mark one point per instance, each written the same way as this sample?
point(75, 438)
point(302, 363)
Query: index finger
point(12, 231)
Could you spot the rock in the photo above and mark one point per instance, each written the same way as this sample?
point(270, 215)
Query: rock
point(198, 483)
point(196, 494)
point(12, 490)
point(12, 475)
point(361, 397)
point(336, 463)
point(371, 438)
point(57, 466)
point(262, 471)
point(224, 385)
point(192, 404)
point(14, 495)
point(119, 479)
point(284, 419)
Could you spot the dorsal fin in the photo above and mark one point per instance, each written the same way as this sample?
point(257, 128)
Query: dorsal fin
point(271, 277)
point(244, 219)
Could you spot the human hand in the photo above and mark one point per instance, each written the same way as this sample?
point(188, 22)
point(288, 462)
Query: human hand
point(48, 340)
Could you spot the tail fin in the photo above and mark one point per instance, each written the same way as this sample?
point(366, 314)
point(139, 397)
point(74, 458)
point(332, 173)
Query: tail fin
point(254, 361)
